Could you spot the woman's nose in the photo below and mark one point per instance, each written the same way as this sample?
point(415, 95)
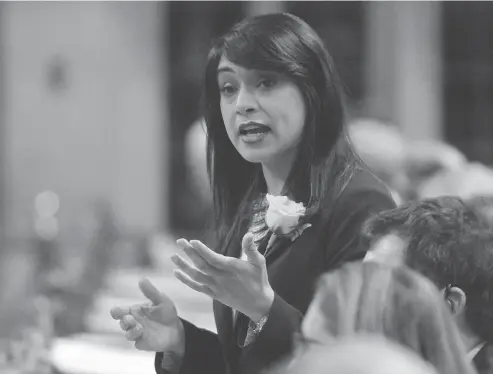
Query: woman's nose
point(245, 102)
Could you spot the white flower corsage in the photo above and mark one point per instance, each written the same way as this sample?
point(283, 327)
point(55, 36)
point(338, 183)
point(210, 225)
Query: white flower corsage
point(283, 217)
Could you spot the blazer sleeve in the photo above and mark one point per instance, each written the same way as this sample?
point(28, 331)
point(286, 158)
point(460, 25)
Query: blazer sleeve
point(276, 337)
point(203, 353)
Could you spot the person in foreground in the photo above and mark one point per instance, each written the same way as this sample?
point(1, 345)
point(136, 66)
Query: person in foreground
point(394, 302)
point(358, 354)
point(290, 197)
point(449, 241)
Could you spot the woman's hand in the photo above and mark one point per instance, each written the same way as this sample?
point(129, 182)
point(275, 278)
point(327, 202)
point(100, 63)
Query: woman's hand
point(153, 326)
point(242, 285)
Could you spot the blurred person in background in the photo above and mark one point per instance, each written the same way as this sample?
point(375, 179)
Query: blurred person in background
point(382, 147)
point(199, 200)
point(359, 354)
point(394, 302)
point(405, 166)
point(449, 242)
point(196, 161)
point(425, 159)
point(467, 181)
point(275, 123)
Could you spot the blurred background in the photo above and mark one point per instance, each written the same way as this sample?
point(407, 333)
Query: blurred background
point(102, 161)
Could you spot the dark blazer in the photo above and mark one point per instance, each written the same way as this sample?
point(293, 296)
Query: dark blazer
point(293, 269)
point(483, 361)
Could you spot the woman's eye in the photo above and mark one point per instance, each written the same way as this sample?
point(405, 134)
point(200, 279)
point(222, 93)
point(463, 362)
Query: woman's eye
point(267, 83)
point(227, 89)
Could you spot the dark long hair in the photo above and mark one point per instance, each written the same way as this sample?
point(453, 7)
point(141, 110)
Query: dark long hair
point(285, 44)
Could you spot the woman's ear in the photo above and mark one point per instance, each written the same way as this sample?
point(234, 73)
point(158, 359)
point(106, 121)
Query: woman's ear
point(456, 299)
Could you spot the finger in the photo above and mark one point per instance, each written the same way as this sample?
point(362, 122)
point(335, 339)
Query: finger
point(146, 310)
point(152, 293)
point(119, 312)
point(141, 345)
point(186, 280)
point(250, 249)
point(212, 258)
point(127, 322)
point(198, 261)
point(124, 326)
point(191, 271)
point(138, 313)
point(195, 255)
point(134, 333)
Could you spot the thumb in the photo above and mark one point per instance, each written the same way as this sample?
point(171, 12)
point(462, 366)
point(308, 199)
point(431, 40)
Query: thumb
point(151, 292)
point(250, 249)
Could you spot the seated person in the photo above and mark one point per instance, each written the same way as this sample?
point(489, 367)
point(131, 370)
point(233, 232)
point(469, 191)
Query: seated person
point(382, 147)
point(393, 302)
point(365, 354)
point(427, 159)
point(446, 240)
point(467, 181)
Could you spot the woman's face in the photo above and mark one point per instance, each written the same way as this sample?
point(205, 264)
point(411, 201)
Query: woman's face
point(263, 112)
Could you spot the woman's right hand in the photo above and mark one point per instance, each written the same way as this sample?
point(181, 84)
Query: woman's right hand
point(153, 326)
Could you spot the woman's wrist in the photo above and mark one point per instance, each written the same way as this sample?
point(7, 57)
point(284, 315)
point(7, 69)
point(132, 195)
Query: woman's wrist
point(172, 356)
point(263, 306)
point(179, 347)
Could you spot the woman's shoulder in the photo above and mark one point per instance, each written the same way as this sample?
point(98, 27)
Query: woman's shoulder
point(343, 218)
point(364, 181)
point(363, 192)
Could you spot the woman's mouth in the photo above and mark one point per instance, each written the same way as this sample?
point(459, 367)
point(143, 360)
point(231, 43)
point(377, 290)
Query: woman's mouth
point(253, 132)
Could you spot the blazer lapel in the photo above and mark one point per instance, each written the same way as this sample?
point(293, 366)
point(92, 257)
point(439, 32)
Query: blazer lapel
point(283, 244)
point(280, 244)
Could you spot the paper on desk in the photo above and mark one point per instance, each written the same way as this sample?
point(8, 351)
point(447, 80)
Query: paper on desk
point(74, 356)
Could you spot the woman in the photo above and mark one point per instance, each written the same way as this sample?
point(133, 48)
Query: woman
point(395, 302)
point(275, 125)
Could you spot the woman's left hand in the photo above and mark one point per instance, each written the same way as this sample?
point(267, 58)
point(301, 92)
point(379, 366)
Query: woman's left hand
point(242, 285)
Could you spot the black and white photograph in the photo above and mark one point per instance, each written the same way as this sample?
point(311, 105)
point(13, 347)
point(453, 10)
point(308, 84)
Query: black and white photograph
point(246, 187)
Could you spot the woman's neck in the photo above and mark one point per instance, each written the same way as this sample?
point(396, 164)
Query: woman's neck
point(274, 180)
point(276, 173)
